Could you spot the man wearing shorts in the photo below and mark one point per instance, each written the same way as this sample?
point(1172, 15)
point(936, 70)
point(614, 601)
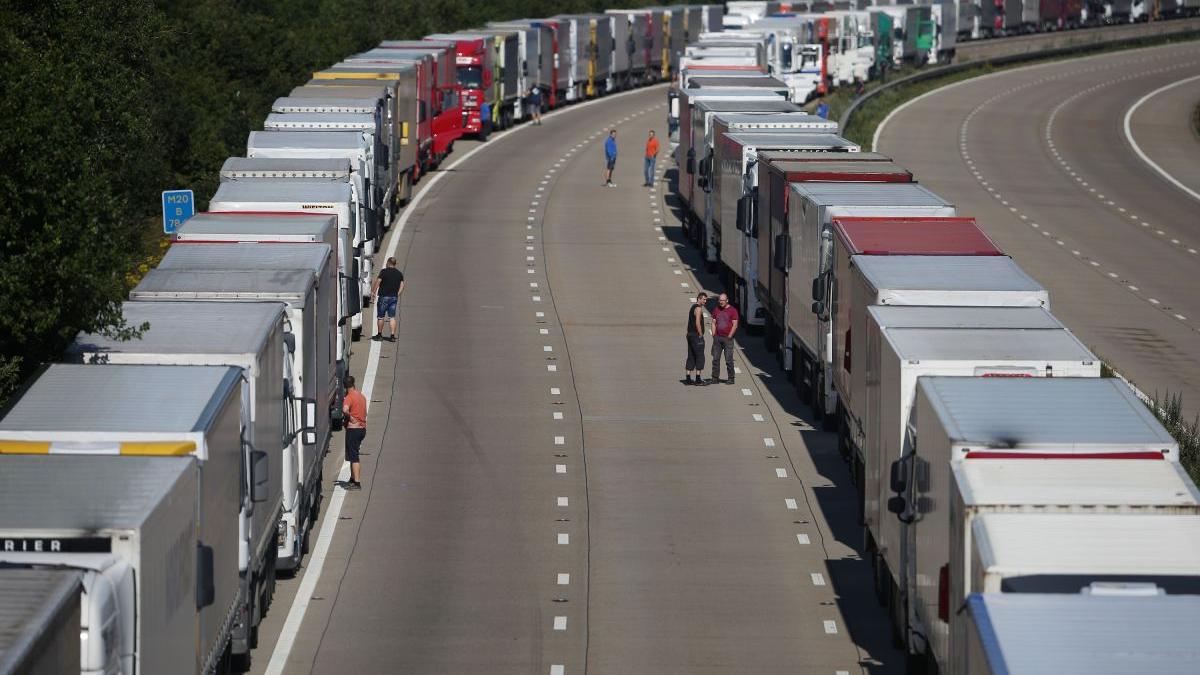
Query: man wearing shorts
point(355, 408)
point(610, 157)
point(386, 291)
point(695, 342)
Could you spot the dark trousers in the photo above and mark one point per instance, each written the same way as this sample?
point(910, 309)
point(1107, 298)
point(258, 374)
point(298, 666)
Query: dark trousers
point(695, 353)
point(722, 344)
point(354, 439)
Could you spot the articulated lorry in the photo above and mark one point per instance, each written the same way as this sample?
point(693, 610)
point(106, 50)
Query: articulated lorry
point(42, 625)
point(282, 196)
point(475, 58)
point(147, 501)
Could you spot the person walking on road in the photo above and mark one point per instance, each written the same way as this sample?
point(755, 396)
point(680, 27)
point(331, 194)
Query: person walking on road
point(535, 105)
point(651, 158)
point(386, 291)
point(355, 408)
point(695, 341)
point(724, 326)
point(610, 157)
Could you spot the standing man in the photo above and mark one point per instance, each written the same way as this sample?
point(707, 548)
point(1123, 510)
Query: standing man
point(386, 292)
point(355, 409)
point(485, 120)
point(651, 158)
point(610, 157)
point(535, 102)
point(724, 326)
point(695, 341)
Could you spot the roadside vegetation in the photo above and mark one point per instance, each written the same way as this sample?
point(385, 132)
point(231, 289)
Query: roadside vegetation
point(1169, 410)
point(108, 102)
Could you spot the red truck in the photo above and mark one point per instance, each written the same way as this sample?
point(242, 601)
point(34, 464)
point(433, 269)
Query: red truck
point(475, 78)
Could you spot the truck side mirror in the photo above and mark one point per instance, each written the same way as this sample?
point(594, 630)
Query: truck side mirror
point(818, 308)
point(308, 422)
point(896, 505)
point(782, 252)
point(289, 342)
point(259, 475)
point(898, 480)
point(384, 154)
point(818, 289)
point(206, 590)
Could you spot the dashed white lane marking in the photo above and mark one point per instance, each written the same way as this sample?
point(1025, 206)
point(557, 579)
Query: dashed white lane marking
point(543, 331)
point(677, 272)
point(564, 539)
point(560, 623)
point(769, 442)
point(683, 284)
point(803, 539)
point(747, 392)
point(557, 670)
point(757, 417)
point(547, 348)
point(781, 472)
point(1153, 301)
point(551, 368)
point(537, 298)
point(1138, 149)
point(528, 248)
point(790, 504)
point(560, 468)
point(670, 260)
point(560, 440)
point(531, 271)
point(818, 579)
point(540, 315)
point(564, 579)
point(555, 391)
point(830, 627)
point(557, 416)
point(1181, 317)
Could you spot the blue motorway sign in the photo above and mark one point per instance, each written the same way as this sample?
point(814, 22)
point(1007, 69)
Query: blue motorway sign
point(177, 206)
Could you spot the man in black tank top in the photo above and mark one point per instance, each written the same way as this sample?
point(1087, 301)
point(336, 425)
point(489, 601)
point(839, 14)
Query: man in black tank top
point(695, 341)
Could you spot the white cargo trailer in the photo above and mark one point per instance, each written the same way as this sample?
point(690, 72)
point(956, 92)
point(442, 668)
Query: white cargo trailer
point(283, 196)
point(1067, 553)
point(39, 616)
point(232, 227)
point(803, 252)
point(315, 391)
point(981, 444)
point(898, 353)
point(1080, 634)
point(161, 598)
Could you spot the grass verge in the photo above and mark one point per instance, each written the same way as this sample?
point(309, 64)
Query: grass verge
point(1169, 410)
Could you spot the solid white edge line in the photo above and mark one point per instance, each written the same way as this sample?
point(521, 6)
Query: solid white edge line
point(316, 559)
point(1138, 149)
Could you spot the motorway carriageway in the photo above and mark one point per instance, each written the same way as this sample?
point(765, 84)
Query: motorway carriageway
point(1087, 173)
point(541, 493)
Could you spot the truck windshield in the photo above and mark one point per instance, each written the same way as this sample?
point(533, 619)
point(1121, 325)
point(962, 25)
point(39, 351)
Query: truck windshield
point(785, 57)
point(470, 77)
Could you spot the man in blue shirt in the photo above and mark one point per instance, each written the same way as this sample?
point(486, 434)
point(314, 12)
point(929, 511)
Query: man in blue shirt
point(610, 157)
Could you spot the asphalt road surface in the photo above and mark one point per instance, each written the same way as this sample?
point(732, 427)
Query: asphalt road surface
point(541, 493)
point(1041, 156)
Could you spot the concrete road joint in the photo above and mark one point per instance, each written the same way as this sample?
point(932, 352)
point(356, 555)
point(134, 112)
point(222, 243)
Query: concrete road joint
point(331, 515)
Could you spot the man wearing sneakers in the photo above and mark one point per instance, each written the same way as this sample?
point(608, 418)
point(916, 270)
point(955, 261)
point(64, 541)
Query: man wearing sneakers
point(724, 325)
point(355, 408)
point(387, 289)
point(651, 158)
point(610, 157)
point(695, 341)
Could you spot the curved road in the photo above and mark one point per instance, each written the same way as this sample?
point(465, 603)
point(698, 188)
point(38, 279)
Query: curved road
point(541, 494)
point(1040, 156)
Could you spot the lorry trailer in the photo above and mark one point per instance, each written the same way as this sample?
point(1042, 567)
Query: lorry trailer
point(41, 621)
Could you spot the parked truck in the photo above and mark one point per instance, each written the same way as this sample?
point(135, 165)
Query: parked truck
point(476, 76)
point(303, 196)
point(1094, 633)
point(42, 621)
point(156, 535)
point(251, 337)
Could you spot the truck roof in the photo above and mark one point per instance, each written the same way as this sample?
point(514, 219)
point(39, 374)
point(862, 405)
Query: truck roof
point(946, 273)
point(305, 140)
point(69, 397)
point(868, 194)
point(1069, 634)
point(237, 168)
point(282, 191)
point(333, 121)
point(788, 138)
point(907, 316)
point(800, 120)
point(189, 328)
point(1074, 484)
point(988, 345)
point(31, 601)
point(746, 93)
point(380, 68)
point(709, 81)
point(248, 256)
point(340, 89)
point(299, 104)
point(912, 236)
point(735, 105)
point(1061, 543)
point(1071, 411)
point(784, 160)
point(217, 223)
point(837, 171)
point(290, 286)
point(87, 492)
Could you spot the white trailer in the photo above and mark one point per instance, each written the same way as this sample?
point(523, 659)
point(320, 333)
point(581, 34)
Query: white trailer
point(250, 337)
point(794, 53)
point(685, 134)
point(39, 612)
point(906, 343)
point(1068, 553)
point(155, 534)
point(963, 426)
point(810, 209)
point(1081, 634)
point(294, 227)
point(282, 196)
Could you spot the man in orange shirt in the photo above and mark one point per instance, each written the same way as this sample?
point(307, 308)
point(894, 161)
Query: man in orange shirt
point(355, 408)
point(651, 158)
